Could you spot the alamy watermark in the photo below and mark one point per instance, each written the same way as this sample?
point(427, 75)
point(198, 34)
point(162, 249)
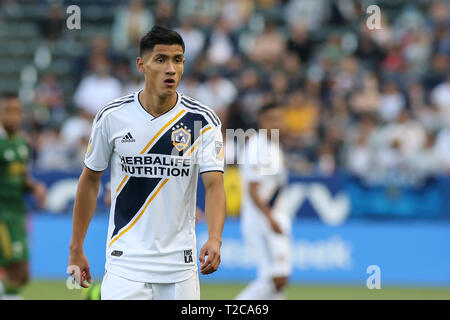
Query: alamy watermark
point(374, 280)
point(374, 20)
point(203, 145)
point(73, 21)
point(74, 279)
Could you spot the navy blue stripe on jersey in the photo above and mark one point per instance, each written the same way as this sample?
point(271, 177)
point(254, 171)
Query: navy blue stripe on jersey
point(202, 106)
point(198, 110)
point(193, 105)
point(164, 145)
point(274, 197)
point(115, 101)
point(131, 199)
point(111, 106)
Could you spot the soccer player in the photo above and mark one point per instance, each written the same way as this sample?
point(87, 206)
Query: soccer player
point(265, 225)
point(15, 181)
point(157, 141)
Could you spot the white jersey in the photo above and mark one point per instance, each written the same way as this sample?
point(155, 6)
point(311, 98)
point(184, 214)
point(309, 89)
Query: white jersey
point(155, 162)
point(262, 161)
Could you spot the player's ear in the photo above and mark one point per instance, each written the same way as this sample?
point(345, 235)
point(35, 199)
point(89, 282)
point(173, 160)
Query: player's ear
point(140, 64)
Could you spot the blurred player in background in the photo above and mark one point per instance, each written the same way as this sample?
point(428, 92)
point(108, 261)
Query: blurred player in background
point(15, 181)
point(265, 225)
point(157, 142)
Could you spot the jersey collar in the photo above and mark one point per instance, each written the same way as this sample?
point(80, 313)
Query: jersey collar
point(147, 114)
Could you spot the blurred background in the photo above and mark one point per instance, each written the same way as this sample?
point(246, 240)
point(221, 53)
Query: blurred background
point(367, 128)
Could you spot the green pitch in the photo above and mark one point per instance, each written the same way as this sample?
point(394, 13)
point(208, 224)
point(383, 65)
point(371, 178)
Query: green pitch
point(50, 290)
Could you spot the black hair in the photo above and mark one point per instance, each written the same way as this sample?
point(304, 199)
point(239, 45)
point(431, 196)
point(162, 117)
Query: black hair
point(267, 107)
point(159, 35)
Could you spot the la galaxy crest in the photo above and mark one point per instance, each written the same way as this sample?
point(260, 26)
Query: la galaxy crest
point(181, 136)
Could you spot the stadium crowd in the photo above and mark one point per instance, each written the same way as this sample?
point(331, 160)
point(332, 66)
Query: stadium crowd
point(373, 102)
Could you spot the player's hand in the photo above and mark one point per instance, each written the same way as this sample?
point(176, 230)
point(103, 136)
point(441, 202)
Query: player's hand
point(40, 194)
point(211, 249)
point(274, 225)
point(81, 274)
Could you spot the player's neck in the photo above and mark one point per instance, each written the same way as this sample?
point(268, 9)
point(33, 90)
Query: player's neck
point(156, 105)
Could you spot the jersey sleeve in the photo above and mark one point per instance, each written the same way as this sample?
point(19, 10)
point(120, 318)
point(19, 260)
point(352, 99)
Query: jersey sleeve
point(211, 152)
point(100, 147)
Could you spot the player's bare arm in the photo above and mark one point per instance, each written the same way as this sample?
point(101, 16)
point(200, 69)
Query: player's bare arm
point(37, 189)
point(215, 209)
point(254, 186)
point(84, 208)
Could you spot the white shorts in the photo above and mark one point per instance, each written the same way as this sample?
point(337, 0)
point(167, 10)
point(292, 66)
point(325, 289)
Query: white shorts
point(272, 252)
point(115, 287)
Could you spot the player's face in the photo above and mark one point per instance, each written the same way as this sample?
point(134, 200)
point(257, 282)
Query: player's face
point(11, 114)
point(162, 68)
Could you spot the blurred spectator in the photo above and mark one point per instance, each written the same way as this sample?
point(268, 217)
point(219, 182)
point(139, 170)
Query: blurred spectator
point(279, 87)
point(237, 13)
point(331, 53)
point(301, 116)
point(269, 47)
point(391, 101)
point(312, 12)
point(443, 149)
point(189, 85)
point(326, 162)
point(408, 133)
point(408, 22)
point(164, 13)
point(218, 93)
point(368, 51)
point(220, 48)
point(348, 77)
point(441, 41)
point(99, 46)
point(97, 89)
point(194, 41)
point(417, 51)
point(440, 97)
point(53, 153)
point(383, 36)
point(344, 12)
point(205, 12)
point(250, 96)
point(134, 83)
point(130, 24)
point(366, 100)
point(425, 162)
point(53, 25)
point(394, 60)
point(359, 157)
point(438, 72)
point(76, 129)
point(300, 42)
point(49, 98)
point(293, 69)
point(428, 115)
point(438, 13)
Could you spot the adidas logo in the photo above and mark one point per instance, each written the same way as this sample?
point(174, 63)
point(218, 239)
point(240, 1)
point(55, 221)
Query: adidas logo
point(128, 138)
